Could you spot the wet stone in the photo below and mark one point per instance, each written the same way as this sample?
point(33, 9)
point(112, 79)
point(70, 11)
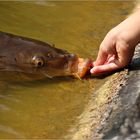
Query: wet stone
point(127, 138)
point(124, 130)
point(115, 138)
point(138, 132)
point(133, 136)
point(127, 122)
point(137, 125)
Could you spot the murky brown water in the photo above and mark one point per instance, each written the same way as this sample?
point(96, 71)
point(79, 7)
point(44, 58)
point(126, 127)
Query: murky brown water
point(48, 108)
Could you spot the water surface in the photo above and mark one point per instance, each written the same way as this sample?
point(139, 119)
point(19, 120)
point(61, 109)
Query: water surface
point(48, 108)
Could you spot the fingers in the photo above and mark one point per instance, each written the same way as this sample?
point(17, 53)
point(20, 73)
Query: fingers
point(125, 53)
point(104, 68)
point(101, 58)
point(108, 58)
point(107, 49)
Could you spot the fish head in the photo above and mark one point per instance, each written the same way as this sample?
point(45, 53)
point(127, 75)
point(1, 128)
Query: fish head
point(54, 64)
point(48, 61)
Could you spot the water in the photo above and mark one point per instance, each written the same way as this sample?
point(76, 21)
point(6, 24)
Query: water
point(48, 108)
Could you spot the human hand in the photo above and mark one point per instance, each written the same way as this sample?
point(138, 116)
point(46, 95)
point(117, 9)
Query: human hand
point(114, 53)
point(117, 48)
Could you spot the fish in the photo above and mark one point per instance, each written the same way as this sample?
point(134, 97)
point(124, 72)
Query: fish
point(32, 56)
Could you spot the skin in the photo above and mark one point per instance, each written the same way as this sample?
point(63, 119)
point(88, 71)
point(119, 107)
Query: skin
point(117, 48)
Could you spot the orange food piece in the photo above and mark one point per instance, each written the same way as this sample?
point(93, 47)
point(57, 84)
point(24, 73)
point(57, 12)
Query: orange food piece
point(84, 66)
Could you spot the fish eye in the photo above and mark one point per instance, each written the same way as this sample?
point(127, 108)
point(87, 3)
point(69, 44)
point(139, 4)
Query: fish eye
point(38, 61)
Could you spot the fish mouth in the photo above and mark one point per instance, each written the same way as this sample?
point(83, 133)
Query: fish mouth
point(75, 66)
point(81, 67)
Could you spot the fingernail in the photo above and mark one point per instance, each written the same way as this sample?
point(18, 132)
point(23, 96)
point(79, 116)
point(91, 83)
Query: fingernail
point(92, 71)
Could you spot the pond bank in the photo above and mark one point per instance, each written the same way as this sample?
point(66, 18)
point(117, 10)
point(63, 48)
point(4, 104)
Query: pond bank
point(113, 110)
point(126, 124)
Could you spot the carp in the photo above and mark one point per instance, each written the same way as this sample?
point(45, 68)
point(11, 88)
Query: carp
point(28, 55)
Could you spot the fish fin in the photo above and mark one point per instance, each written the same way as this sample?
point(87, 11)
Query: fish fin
point(47, 75)
point(2, 69)
point(77, 76)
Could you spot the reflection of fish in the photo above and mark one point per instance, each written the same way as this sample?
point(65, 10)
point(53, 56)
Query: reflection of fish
point(36, 57)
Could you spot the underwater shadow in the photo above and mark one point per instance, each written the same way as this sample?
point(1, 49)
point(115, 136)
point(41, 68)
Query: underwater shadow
point(31, 80)
point(44, 81)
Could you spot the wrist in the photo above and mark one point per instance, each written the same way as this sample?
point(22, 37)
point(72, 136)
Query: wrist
point(129, 29)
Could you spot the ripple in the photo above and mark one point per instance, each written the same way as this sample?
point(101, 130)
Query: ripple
point(10, 130)
point(10, 98)
point(44, 3)
point(4, 107)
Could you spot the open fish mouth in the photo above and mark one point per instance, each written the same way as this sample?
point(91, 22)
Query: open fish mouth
point(82, 67)
point(77, 68)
